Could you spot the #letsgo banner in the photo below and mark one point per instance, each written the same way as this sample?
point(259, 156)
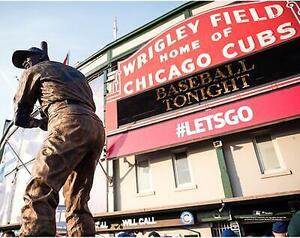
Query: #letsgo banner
point(205, 40)
point(278, 105)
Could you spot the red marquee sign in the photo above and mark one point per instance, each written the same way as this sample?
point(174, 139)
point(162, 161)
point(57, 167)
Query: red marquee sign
point(201, 42)
point(257, 111)
point(209, 39)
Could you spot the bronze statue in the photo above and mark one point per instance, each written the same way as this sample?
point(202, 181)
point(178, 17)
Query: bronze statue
point(69, 154)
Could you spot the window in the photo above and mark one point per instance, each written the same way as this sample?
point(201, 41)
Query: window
point(143, 176)
point(181, 169)
point(266, 153)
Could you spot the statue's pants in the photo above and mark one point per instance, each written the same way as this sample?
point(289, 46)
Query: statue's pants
point(67, 159)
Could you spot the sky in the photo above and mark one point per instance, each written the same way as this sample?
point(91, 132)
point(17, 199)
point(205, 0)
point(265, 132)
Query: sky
point(79, 27)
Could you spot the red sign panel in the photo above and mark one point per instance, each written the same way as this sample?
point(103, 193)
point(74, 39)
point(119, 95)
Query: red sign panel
point(208, 39)
point(274, 106)
point(201, 42)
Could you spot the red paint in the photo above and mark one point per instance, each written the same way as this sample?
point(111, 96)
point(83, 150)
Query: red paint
point(248, 23)
point(212, 37)
point(267, 108)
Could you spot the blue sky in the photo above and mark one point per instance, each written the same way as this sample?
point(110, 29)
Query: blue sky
point(81, 27)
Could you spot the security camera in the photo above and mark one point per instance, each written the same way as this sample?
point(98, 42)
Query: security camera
point(217, 143)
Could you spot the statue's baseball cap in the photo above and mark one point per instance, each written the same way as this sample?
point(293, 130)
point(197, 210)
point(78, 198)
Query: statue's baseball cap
point(20, 55)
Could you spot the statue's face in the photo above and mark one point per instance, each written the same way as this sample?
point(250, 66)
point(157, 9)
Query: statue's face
point(31, 60)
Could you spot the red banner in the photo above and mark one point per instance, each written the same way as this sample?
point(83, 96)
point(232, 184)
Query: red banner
point(206, 40)
point(258, 111)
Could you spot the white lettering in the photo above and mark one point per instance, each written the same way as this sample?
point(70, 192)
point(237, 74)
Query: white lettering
point(163, 57)
point(227, 31)
point(226, 53)
point(194, 27)
point(169, 39)
point(203, 60)
point(195, 44)
point(227, 18)
point(173, 53)
point(239, 15)
point(141, 84)
point(250, 43)
point(184, 49)
point(188, 66)
point(180, 33)
point(189, 132)
point(141, 59)
point(179, 51)
point(216, 121)
point(141, 221)
point(218, 118)
point(284, 28)
point(233, 120)
point(126, 86)
point(214, 19)
point(129, 68)
point(241, 115)
point(199, 125)
point(158, 78)
point(255, 16)
point(159, 45)
point(216, 36)
point(209, 122)
point(274, 11)
point(129, 222)
point(150, 79)
point(266, 38)
point(174, 72)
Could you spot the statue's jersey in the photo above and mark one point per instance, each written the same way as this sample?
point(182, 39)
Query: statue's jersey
point(57, 87)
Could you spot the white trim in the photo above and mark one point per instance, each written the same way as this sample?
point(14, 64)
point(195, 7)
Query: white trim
point(175, 171)
point(278, 153)
point(147, 191)
point(210, 6)
point(276, 173)
point(85, 69)
point(266, 173)
point(184, 187)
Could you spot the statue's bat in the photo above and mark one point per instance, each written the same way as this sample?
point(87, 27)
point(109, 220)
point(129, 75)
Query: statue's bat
point(44, 47)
